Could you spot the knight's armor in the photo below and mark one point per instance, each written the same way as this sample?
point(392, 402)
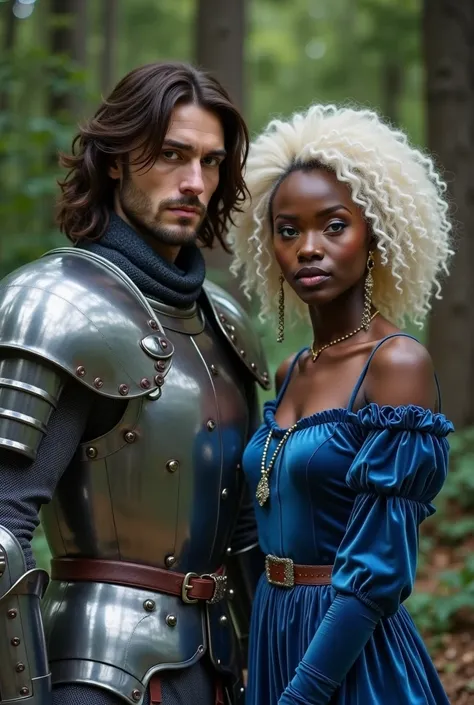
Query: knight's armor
point(161, 488)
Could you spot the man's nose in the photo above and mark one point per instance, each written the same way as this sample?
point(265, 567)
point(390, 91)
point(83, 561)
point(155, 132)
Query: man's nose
point(192, 181)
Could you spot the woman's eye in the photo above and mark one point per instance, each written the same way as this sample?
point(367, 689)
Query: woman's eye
point(286, 231)
point(336, 227)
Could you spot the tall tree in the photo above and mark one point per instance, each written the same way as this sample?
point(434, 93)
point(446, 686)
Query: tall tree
point(109, 23)
point(10, 24)
point(448, 29)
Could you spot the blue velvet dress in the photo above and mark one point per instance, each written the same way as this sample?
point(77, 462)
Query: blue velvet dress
point(348, 489)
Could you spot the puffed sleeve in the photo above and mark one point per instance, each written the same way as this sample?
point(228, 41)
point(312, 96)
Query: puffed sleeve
point(398, 471)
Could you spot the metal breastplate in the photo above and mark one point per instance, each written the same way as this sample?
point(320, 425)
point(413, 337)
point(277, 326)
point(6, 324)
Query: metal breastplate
point(161, 488)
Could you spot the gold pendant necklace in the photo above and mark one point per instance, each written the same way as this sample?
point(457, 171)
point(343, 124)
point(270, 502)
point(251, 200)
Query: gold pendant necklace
point(316, 353)
point(263, 488)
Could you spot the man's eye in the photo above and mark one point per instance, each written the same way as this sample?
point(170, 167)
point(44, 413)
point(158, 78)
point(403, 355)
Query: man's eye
point(171, 155)
point(211, 161)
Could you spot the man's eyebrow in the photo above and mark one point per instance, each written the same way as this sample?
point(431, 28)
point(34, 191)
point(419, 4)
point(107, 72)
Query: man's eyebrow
point(189, 148)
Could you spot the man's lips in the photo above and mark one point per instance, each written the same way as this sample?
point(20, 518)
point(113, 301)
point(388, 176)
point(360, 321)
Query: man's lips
point(185, 211)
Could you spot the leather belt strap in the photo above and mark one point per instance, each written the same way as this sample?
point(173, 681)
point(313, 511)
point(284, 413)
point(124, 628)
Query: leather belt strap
point(190, 587)
point(284, 573)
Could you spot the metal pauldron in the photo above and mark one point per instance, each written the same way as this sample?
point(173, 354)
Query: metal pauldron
point(24, 670)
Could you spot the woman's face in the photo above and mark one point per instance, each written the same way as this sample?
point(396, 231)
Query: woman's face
point(320, 236)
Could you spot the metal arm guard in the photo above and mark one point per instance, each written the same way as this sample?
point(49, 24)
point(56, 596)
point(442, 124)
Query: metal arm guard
point(24, 670)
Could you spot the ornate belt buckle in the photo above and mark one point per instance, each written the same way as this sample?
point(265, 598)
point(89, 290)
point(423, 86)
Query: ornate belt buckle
point(288, 571)
point(220, 587)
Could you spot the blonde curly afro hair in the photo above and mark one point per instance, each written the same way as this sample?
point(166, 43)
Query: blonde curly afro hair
point(396, 186)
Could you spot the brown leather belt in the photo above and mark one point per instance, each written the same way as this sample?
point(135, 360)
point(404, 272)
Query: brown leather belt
point(191, 587)
point(284, 573)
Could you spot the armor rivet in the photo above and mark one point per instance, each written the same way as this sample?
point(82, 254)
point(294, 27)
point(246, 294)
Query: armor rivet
point(15, 641)
point(160, 366)
point(225, 493)
point(20, 667)
point(233, 338)
point(145, 383)
point(149, 605)
point(159, 380)
point(231, 593)
point(223, 620)
point(123, 389)
point(242, 353)
point(171, 620)
point(11, 614)
point(214, 370)
point(170, 561)
point(172, 465)
point(24, 691)
point(222, 317)
point(239, 467)
point(211, 424)
point(98, 383)
point(80, 371)
point(229, 551)
point(153, 324)
point(242, 690)
point(253, 366)
point(136, 695)
point(91, 452)
point(218, 662)
point(200, 649)
point(163, 343)
point(130, 436)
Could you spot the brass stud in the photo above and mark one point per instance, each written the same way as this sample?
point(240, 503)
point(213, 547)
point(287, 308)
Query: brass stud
point(98, 383)
point(211, 424)
point(11, 614)
point(243, 353)
point(24, 690)
point(163, 343)
point(214, 370)
point(159, 380)
point(149, 605)
point(253, 366)
point(231, 593)
point(124, 389)
point(233, 338)
point(145, 383)
point(15, 641)
point(91, 452)
point(160, 366)
point(130, 436)
point(170, 561)
point(153, 324)
point(172, 465)
point(80, 371)
point(223, 621)
point(136, 695)
point(225, 493)
point(20, 667)
point(171, 620)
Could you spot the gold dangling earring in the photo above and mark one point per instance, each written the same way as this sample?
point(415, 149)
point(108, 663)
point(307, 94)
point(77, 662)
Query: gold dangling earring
point(368, 288)
point(281, 311)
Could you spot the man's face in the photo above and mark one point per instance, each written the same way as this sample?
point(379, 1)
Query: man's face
point(167, 202)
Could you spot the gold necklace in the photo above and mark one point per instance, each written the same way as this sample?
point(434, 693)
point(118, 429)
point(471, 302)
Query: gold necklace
point(316, 353)
point(263, 488)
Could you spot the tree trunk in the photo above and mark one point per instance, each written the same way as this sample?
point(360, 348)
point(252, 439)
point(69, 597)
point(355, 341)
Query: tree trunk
point(392, 86)
point(449, 60)
point(220, 50)
point(10, 24)
point(109, 24)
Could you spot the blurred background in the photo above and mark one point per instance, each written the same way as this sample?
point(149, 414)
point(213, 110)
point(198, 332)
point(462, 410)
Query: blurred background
point(412, 60)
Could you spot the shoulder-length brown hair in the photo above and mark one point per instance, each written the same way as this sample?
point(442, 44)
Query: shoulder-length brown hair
point(138, 112)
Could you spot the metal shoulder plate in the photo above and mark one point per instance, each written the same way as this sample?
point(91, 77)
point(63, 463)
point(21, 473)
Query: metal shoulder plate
point(85, 316)
point(238, 329)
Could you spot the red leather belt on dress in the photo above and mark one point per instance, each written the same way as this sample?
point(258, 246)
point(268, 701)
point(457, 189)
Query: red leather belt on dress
point(284, 573)
point(191, 588)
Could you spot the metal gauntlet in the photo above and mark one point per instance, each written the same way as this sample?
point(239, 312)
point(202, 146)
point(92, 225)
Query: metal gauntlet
point(24, 669)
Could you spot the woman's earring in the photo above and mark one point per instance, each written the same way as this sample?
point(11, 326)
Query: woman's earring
point(281, 311)
point(368, 288)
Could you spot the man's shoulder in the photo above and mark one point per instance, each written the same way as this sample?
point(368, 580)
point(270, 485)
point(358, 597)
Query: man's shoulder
point(83, 314)
point(237, 327)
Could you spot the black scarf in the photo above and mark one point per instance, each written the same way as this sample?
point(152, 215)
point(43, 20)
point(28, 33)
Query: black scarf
point(176, 284)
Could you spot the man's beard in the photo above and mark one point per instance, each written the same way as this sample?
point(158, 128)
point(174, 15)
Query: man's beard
point(138, 209)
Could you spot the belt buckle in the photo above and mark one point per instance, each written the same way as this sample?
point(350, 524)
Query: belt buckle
point(288, 571)
point(220, 587)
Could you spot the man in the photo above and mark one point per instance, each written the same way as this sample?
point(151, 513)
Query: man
point(127, 395)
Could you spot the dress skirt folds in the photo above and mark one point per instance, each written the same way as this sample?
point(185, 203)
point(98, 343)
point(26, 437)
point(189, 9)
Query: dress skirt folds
point(347, 489)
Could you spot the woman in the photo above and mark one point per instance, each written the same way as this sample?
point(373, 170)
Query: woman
point(347, 224)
